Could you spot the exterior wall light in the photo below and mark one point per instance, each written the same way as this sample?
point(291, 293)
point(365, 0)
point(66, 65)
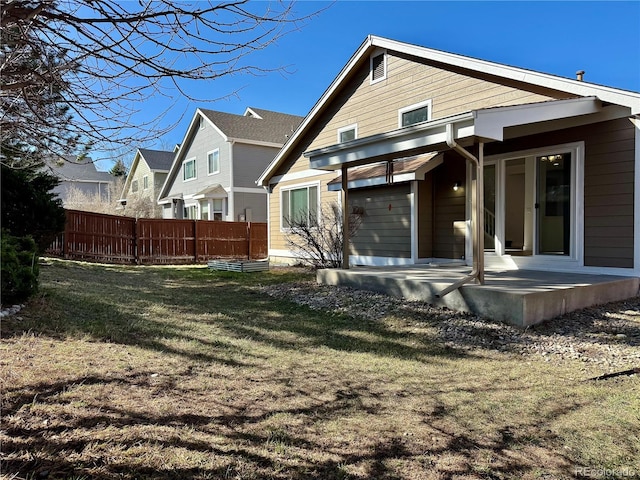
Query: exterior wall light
point(456, 186)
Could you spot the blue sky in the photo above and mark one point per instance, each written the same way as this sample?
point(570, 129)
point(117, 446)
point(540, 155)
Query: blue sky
point(602, 38)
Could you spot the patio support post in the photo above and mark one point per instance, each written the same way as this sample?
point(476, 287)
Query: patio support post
point(480, 212)
point(477, 219)
point(345, 218)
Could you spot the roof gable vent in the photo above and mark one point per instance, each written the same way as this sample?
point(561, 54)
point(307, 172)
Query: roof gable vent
point(378, 67)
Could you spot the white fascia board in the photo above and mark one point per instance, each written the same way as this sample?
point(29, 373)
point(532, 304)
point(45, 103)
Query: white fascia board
point(575, 87)
point(177, 159)
point(178, 155)
point(362, 151)
point(258, 143)
point(252, 112)
point(128, 180)
point(337, 82)
point(215, 127)
point(491, 122)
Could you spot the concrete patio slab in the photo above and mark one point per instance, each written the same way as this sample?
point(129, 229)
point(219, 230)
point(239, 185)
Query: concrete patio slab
point(518, 297)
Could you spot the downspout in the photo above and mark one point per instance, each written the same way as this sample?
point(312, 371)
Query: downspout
point(231, 203)
point(477, 272)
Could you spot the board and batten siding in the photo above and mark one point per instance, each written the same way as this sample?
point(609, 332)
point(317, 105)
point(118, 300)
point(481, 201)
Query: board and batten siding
point(609, 170)
point(385, 230)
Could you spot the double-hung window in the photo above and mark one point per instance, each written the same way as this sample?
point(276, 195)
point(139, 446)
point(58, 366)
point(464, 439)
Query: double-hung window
point(189, 169)
point(213, 161)
point(145, 182)
point(300, 206)
point(418, 113)
point(134, 186)
point(218, 209)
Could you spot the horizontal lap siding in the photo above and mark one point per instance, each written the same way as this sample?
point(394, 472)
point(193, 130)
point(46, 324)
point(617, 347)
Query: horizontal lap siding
point(374, 108)
point(448, 242)
point(409, 81)
point(609, 192)
point(608, 186)
point(278, 240)
point(386, 224)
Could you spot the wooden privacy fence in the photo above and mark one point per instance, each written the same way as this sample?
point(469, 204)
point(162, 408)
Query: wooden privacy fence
point(113, 239)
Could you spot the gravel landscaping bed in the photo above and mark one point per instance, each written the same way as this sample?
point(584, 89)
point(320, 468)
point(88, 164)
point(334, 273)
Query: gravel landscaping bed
point(606, 335)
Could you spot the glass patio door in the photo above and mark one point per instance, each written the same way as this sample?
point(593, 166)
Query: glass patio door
point(553, 205)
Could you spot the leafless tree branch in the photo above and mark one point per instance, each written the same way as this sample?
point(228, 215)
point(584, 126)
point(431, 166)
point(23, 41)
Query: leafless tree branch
point(105, 58)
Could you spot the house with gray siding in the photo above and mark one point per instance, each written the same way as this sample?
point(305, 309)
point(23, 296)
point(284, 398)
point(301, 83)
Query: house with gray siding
point(146, 177)
point(452, 159)
point(79, 176)
point(213, 174)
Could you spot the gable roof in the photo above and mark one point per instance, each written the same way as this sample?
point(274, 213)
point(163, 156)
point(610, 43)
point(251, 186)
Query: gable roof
point(625, 98)
point(261, 126)
point(158, 160)
point(255, 126)
point(77, 170)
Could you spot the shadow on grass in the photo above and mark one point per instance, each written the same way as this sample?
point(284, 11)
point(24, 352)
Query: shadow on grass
point(246, 444)
point(199, 315)
point(221, 319)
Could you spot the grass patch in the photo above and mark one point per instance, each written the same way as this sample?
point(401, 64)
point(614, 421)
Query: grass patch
point(179, 372)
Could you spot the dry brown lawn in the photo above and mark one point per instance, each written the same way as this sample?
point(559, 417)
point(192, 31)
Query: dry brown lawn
point(181, 373)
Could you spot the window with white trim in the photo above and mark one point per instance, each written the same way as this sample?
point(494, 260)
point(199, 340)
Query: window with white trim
point(134, 186)
point(204, 210)
point(413, 114)
point(189, 169)
point(213, 161)
point(145, 182)
point(218, 209)
point(378, 67)
point(299, 206)
point(347, 133)
point(200, 123)
point(191, 212)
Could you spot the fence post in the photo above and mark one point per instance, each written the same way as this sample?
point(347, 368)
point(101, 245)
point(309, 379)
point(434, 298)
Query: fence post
point(65, 235)
point(136, 236)
point(196, 253)
point(249, 240)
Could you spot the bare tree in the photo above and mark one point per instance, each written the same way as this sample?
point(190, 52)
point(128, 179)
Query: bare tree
point(102, 59)
point(97, 202)
point(318, 239)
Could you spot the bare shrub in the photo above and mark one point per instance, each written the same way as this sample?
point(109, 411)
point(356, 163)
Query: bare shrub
point(318, 240)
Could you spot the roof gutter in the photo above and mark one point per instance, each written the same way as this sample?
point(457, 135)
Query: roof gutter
point(477, 221)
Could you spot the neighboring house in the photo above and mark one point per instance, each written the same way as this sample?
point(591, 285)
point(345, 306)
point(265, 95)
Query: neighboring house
point(409, 127)
point(214, 171)
point(146, 177)
point(79, 177)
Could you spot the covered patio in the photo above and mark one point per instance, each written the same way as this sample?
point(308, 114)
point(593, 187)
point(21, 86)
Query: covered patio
point(518, 297)
point(522, 296)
